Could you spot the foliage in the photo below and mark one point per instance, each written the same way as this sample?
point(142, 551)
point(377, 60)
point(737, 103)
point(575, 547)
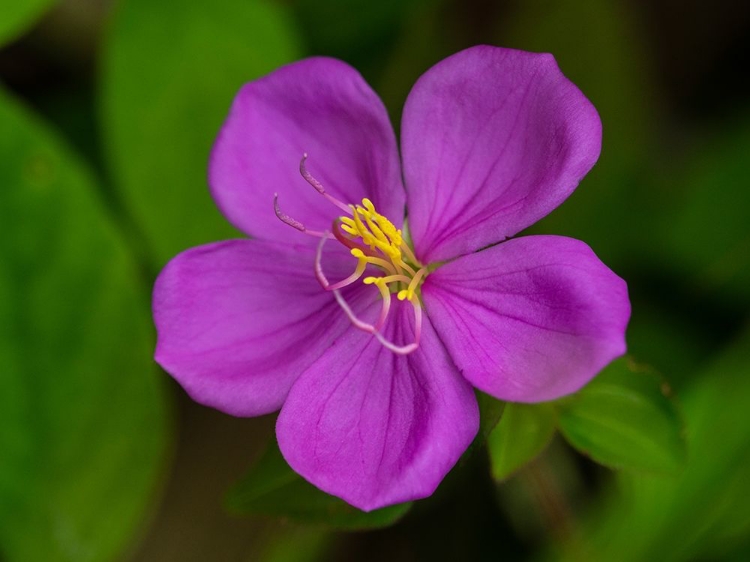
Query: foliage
point(273, 488)
point(82, 421)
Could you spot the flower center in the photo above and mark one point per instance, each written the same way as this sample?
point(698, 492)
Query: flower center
point(374, 241)
point(383, 246)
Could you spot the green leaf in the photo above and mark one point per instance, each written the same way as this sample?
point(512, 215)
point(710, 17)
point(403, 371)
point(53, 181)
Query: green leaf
point(491, 411)
point(296, 544)
point(523, 432)
point(703, 512)
point(171, 70)
point(272, 488)
point(625, 418)
point(16, 16)
point(82, 422)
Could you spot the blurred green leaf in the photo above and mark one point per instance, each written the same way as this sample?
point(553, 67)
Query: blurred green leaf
point(523, 432)
point(625, 418)
point(272, 488)
point(708, 504)
point(490, 413)
point(16, 16)
point(82, 423)
point(296, 544)
point(703, 513)
point(171, 69)
point(708, 235)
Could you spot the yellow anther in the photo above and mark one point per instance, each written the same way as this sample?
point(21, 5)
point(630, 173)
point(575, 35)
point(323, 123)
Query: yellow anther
point(362, 231)
point(391, 231)
point(348, 225)
point(375, 229)
point(387, 250)
point(413, 284)
point(385, 226)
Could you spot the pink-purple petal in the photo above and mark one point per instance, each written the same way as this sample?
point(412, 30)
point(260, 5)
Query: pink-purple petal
point(531, 319)
point(375, 428)
point(320, 106)
point(238, 321)
point(493, 140)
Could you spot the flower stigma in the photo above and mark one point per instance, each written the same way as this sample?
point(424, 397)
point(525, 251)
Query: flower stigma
point(378, 246)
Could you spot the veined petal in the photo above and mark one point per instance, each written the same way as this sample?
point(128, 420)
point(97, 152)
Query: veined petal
point(531, 319)
point(493, 140)
point(318, 106)
point(238, 321)
point(376, 428)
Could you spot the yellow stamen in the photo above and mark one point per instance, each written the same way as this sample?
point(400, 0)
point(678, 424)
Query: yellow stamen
point(387, 279)
point(387, 250)
point(374, 241)
point(408, 293)
point(407, 267)
point(348, 225)
point(409, 254)
point(388, 266)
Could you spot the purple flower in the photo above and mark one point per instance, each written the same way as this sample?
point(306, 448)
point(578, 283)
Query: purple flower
point(369, 333)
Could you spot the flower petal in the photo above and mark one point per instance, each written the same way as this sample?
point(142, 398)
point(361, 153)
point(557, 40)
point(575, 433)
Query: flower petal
point(238, 321)
point(531, 319)
point(375, 428)
point(493, 140)
point(320, 106)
